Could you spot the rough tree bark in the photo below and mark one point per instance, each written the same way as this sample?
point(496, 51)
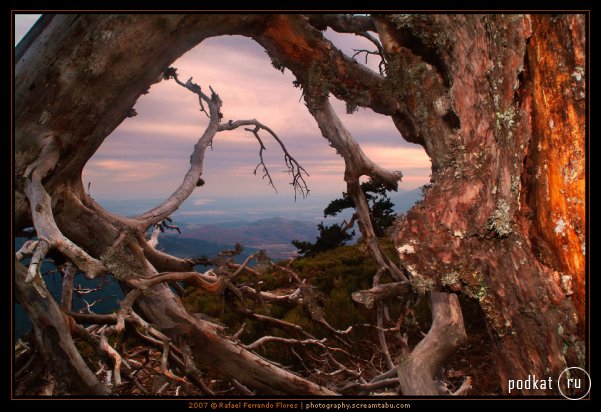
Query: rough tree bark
point(496, 101)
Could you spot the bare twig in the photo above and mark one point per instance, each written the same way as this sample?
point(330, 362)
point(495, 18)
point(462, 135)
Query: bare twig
point(294, 168)
point(346, 226)
point(250, 270)
point(165, 356)
point(386, 375)
point(165, 262)
point(289, 271)
point(162, 388)
point(379, 331)
point(81, 291)
point(382, 337)
point(89, 305)
point(192, 177)
point(170, 225)
point(300, 360)
point(379, 52)
point(370, 386)
point(342, 367)
point(273, 321)
point(242, 266)
point(237, 335)
point(172, 376)
point(265, 339)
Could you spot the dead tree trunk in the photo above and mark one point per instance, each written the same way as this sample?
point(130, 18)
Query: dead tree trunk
point(497, 102)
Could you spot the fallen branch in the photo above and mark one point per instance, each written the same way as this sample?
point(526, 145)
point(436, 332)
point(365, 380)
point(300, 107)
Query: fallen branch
point(26, 250)
point(192, 372)
point(243, 389)
point(370, 296)
point(386, 375)
point(382, 338)
point(271, 297)
point(200, 280)
point(165, 262)
point(273, 321)
point(265, 339)
point(370, 386)
point(241, 267)
point(114, 355)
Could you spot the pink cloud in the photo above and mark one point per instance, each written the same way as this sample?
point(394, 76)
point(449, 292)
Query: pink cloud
point(148, 154)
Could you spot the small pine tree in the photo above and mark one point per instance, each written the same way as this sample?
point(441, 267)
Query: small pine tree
point(329, 237)
point(381, 213)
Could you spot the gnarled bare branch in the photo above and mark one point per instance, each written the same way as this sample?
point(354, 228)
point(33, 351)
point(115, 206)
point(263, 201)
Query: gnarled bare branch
point(370, 296)
point(47, 230)
point(27, 249)
point(202, 280)
point(173, 202)
point(357, 164)
point(294, 168)
point(265, 339)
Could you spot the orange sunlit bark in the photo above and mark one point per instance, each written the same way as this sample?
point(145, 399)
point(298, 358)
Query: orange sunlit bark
point(558, 161)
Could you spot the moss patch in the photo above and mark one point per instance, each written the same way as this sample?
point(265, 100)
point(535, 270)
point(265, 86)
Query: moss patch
point(499, 221)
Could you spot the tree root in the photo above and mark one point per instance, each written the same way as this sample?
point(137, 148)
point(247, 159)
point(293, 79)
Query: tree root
point(417, 371)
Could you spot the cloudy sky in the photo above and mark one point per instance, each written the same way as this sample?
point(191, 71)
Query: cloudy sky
point(147, 155)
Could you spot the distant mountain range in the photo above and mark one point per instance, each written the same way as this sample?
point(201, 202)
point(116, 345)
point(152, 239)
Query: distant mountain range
point(272, 235)
point(247, 221)
point(200, 210)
